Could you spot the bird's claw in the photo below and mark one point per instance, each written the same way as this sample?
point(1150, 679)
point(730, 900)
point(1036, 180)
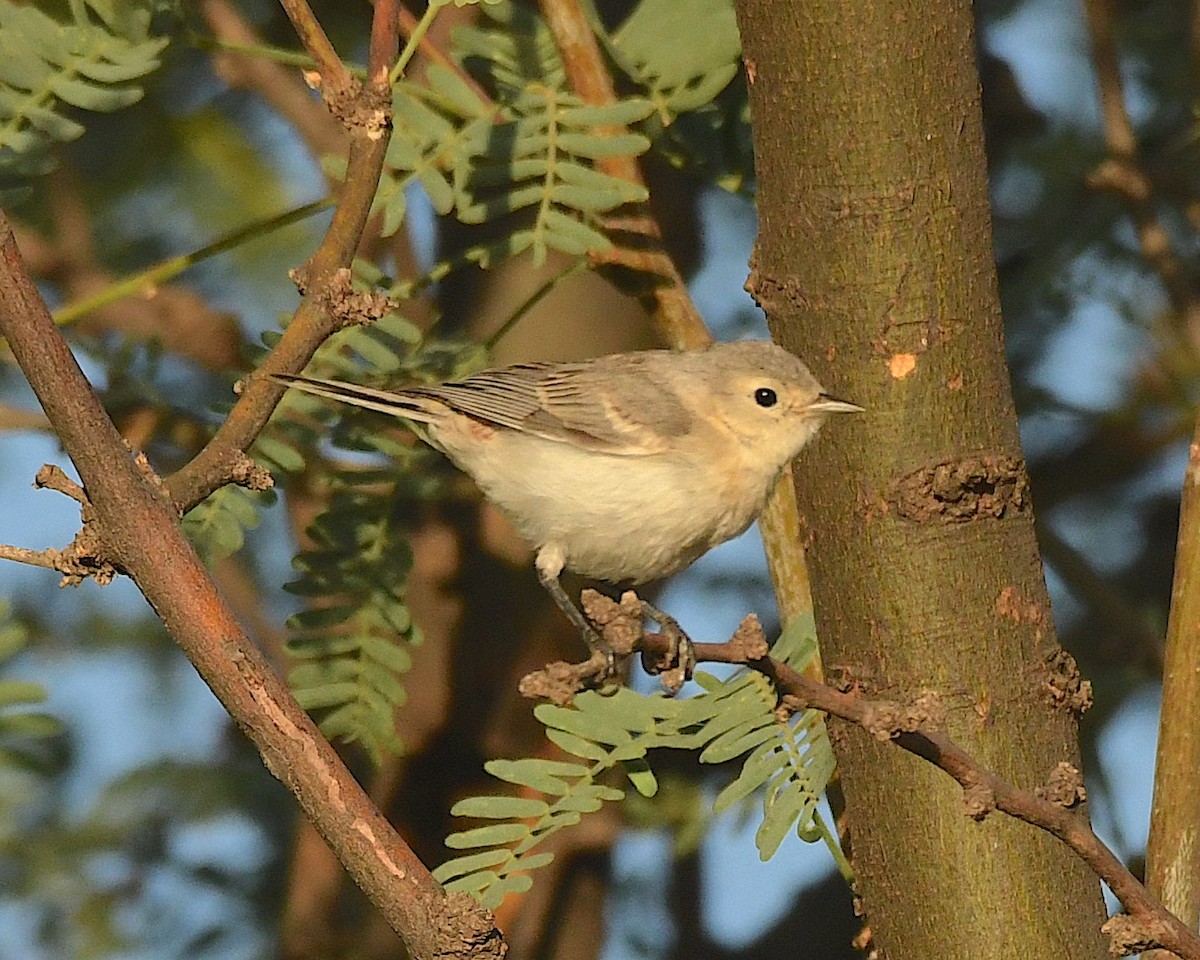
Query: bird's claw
point(680, 661)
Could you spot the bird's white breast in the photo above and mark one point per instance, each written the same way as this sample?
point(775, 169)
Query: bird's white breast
point(612, 517)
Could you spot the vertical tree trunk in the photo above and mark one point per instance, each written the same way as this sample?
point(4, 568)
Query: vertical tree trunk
point(874, 263)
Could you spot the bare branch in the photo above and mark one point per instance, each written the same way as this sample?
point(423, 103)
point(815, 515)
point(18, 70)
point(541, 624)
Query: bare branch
point(312, 323)
point(35, 558)
point(333, 78)
point(136, 526)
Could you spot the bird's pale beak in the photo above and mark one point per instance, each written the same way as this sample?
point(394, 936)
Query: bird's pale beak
point(827, 404)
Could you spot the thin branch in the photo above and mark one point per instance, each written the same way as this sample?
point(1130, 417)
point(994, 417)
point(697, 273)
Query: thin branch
point(913, 727)
point(416, 37)
point(313, 322)
point(334, 78)
point(666, 295)
point(35, 558)
point(150, 277)
point(14, 418)
point(433, 53)
point(134, 525)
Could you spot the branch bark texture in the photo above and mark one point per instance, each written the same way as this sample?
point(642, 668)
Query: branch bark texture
point(874, 263)
point(1172, 854)
point(130, 515)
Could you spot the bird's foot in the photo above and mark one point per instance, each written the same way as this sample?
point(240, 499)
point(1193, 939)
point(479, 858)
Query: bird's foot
point(680, 661)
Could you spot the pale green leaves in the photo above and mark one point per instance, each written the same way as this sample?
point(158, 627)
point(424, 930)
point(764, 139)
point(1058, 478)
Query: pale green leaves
point(47, 67)
point(787, 763)
point(353, 642)
point(217, 525)
point(688, 70)
point(532, 158)
point(20, 727)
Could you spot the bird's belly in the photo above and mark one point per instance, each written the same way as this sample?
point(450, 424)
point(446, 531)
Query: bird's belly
point(615, 518)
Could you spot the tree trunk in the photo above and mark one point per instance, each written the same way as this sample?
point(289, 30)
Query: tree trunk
point(874, 263)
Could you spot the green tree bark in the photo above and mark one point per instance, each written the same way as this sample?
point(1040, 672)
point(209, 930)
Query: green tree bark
point(874, 263)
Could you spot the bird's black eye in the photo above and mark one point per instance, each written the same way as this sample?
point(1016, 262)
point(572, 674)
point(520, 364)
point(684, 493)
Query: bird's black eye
point(765, 397)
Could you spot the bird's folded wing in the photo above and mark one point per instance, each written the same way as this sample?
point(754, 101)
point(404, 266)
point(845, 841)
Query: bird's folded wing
point(584, 404)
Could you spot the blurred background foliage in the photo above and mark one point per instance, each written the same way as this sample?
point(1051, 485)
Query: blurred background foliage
point(135, 821)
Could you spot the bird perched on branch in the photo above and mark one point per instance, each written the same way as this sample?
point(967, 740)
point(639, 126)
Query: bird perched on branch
point(622, 468)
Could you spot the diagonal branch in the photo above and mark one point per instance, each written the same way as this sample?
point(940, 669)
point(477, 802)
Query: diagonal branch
point(912, 727)
point(326, 275)
point(137, 529)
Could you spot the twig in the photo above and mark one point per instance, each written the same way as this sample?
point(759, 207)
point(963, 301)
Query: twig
point(333, 77)
point(52, 477)
point(14, 418)
point(415, 33)
point(914, 727)
point(136, 283)
point(666, 295)
point(35, 558)
point(137, 527)
point(433, 52)
point(312, 322)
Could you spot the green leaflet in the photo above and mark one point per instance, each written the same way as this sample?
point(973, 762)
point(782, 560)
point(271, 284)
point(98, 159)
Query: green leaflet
point(21, 729)
point(353, 651)
point(788, 763)
point(527, 153)
point(704, 53)
point(48, 67)
point(217, 526)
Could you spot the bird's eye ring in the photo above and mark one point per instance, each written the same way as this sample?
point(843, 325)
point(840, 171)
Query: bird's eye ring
point(765, 397)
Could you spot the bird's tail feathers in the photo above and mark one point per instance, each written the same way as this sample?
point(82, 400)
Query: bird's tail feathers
point(409, 407)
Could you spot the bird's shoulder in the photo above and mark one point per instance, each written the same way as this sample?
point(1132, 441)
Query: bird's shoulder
point(620, 404)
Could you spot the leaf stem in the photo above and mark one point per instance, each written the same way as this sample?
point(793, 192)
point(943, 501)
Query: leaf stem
point(414, 39)
point(173, 266)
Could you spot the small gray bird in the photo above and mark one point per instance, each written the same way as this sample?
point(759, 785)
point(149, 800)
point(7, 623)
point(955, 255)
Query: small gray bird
point(622, 468)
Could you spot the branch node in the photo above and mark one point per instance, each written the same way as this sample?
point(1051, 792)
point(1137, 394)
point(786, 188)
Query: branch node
point(359, 109)
point(885, 719)
point(1128, 934)
point(620, 624)
point(1065, 787)
point(83, 559)
point(52, 477)
point(247, 473)
point(345, 305)
point(748, 641)
point(962, 490)
point(978, 800)
point(473, 927)
point(1065, 685)
point(558, 682)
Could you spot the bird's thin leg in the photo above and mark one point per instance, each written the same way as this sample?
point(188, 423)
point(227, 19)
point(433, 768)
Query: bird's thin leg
point(596, 643)
point(681, 650)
